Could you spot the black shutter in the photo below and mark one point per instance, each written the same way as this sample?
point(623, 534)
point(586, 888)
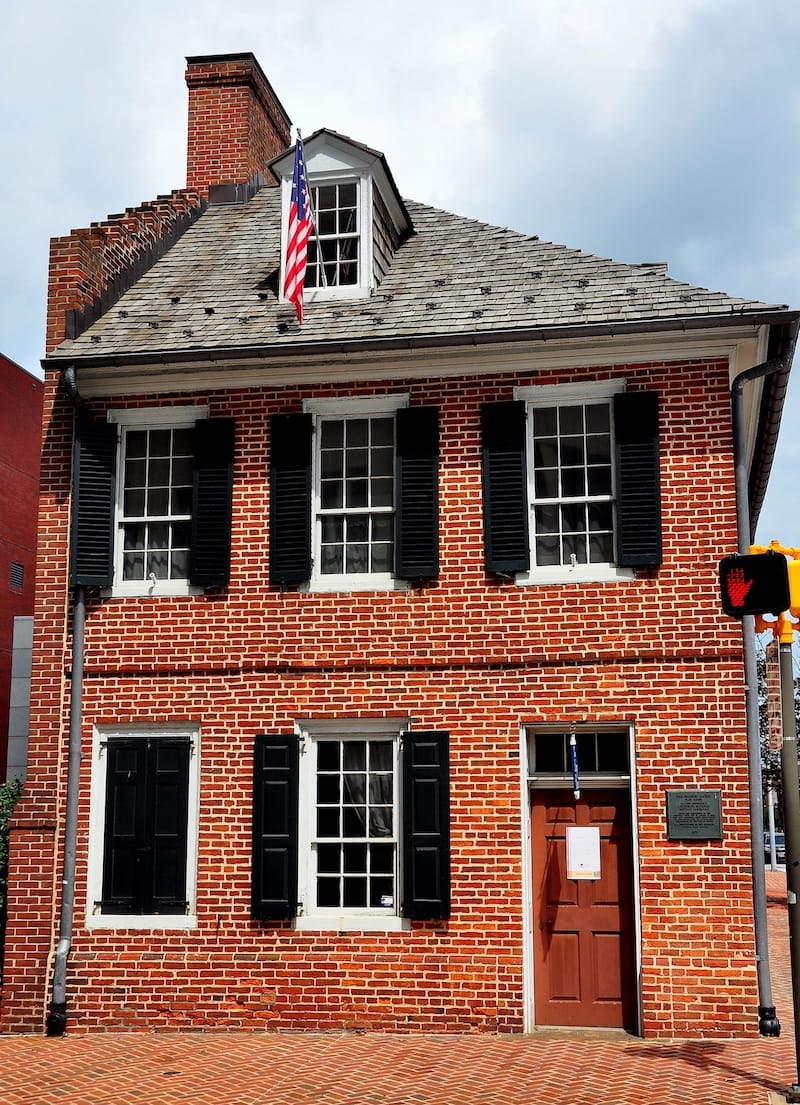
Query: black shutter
point(426, 825)
point(212, 494)
point(636, 457)
point(94, 491)
point(168, 822)
point(505, 488)
point(290, 499)
point(146, 826)
point(417, 516)
point(275, 798)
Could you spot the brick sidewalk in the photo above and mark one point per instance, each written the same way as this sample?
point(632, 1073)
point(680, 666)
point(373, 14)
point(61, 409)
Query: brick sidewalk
point(552, 1068)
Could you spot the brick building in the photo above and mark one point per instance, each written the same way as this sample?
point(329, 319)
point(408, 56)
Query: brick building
point(20, 438)
point(326, 609)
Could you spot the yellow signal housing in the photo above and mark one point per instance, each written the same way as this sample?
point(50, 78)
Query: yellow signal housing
point(794, 588)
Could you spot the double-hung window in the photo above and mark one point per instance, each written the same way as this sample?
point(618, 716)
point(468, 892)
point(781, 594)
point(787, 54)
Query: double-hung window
point(351, 826)
point(571, 483)
point(354, 494)
point(333, 251)
point(152, 501)
point(143, 827)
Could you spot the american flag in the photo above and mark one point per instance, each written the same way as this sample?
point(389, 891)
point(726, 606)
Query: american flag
point(301, 225)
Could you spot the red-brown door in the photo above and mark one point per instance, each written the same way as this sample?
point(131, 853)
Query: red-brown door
point(583, 930)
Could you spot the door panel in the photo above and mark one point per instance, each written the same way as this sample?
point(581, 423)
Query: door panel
point(583, 929)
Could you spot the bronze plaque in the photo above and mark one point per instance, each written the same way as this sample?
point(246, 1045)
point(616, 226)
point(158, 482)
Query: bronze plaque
point(694, 815)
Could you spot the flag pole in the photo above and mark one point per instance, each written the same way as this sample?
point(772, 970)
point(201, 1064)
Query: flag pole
point(316, 229)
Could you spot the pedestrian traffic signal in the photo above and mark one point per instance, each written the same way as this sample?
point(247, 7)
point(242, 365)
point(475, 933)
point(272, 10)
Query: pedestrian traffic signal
point(754, 584)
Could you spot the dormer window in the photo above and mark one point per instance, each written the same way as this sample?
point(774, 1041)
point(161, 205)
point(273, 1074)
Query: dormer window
point(360, 219)
point(335, 208)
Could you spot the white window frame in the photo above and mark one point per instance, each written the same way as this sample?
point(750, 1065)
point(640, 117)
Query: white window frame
point(95, 919)
point(546, 395)
point(335, 409)
point(340, 919)
point(145, 419)
point(363, 182)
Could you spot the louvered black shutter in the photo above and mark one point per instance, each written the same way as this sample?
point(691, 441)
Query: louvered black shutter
point(636, 456)
point(275, 798)
point(94, 490)
point(417, 516)
point(212, 494)
point(290, 499)
point(426, 825)
point(505, 488)
point(146, 826)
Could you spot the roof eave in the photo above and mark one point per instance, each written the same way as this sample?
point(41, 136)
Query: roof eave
point(472, 338)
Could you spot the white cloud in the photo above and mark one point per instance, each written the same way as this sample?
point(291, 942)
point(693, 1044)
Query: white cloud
point(643, 131)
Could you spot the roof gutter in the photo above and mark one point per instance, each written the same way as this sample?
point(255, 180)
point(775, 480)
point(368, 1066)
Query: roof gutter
point(776, 369)
point(473, 339)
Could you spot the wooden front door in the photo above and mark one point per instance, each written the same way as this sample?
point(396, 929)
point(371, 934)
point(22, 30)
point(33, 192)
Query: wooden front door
point(583, 931)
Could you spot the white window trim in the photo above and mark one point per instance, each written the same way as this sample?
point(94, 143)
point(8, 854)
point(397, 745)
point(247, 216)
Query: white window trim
point(365, 284)
point(343, 408)
point(97, 817)
point(343, 920)
point(544, 395)
point(146, 418)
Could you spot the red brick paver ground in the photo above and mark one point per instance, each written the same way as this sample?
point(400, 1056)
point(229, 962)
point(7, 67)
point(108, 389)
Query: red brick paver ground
point(554, 1068)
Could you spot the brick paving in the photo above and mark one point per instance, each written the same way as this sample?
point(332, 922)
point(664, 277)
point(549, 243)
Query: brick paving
point(548, 1068)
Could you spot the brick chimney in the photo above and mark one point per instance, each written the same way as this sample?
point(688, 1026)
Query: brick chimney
point(236, 122)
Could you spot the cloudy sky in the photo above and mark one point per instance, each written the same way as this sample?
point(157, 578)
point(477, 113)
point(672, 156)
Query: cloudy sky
point(643, 130)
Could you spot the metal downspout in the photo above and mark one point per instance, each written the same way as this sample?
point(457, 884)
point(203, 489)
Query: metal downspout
point(57, 1017)
point(768, 1023)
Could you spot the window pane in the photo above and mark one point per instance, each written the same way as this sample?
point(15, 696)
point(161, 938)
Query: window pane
point(133, 503)
point(357, 559)
point(357, 491)
point(355, 893)
point(347, 194)
point(572, 451)
point(354, 755)
point(601, 548)
point(599, 481)
point(358, 528)
point(158, 533)
point(573, 518)
point(181, 500)
point(546, 483)
point(600, 515)
point(329, 859)
point(382, 431)
point(570, 420)
point(357, 463)
point(546, 519)
point(574, 547)
point(382, 462)
point(328, 822)
point(135, 473)
point(549, 752)
point(354, 821)
point(331, 464)
point(179, 564)
point(332, 433)
point(545, 452)
point(160, 443)
point(612, 752)
point(382, 527)
point(328, 755)
point(158, 565)
point(136, 443)
point(573, 482)
point(547, 550)
point(326, 222)
point(381, 893)
point(381, 859)
point(587, 751)
point(328, 789)
point(357, 432)
point(355, 858)
point(133, 565)
point(597, 418)
point(328, 892)
point(331, 494)
point(598, 449)
point(545, 422)
point(158, 501)
point(332, 559)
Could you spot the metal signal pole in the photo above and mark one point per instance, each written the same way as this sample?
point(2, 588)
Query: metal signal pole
point(791, 826)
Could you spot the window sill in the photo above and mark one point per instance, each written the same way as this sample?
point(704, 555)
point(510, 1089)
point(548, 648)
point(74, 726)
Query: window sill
point(350, 583)
point(355, 922)
point(163, 588)
point(148, 921)
point(581, 573)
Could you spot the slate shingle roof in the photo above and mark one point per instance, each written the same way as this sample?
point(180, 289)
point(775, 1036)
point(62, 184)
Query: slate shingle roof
point(216, 288)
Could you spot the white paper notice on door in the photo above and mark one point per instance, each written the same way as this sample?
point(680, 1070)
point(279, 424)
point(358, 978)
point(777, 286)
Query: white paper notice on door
point(583, 852)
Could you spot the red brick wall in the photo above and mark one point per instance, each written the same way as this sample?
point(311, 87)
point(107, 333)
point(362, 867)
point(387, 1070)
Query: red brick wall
point(20, 437)
point(467, 654)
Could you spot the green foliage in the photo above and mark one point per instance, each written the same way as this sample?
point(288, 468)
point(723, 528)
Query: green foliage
point(9, 793)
